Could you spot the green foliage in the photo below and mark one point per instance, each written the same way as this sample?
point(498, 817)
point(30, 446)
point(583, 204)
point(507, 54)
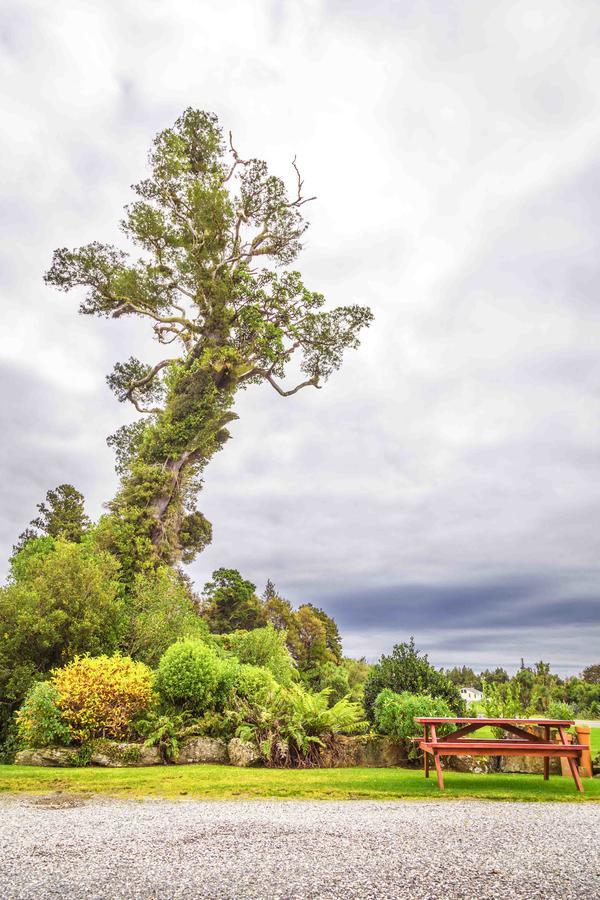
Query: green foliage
point(584, 697)
point(230, 603)
point(498, 675)
point(204, 219)
point(294, 725)
point(192, 677)
point(39, 719)
point(503, 701)
point(591, 674)
point(61, 516)
point(101, 696)
point(161, 612)
point(463, 676)
point(264, 647)
point(558, 709)
point(63, 600)
point(254, 685)
point(329, 677)
point(395, 715)
point(408, 670)
point(163, 731)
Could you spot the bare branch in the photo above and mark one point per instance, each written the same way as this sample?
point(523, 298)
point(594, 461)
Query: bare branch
point(141, 382)
point(266, 374)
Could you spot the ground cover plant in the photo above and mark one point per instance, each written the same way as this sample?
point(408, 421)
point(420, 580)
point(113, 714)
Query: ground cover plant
point(227, 782)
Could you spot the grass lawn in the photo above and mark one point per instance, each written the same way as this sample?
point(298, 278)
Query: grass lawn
point(227, 782)
point(595, 741)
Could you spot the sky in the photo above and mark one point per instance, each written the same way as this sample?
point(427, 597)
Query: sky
point(445, 482)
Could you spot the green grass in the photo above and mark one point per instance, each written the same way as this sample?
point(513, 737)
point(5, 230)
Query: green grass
point(227, 782)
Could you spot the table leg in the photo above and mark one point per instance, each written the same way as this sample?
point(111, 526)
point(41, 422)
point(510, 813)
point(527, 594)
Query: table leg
point(426, 755)
point(438, 769)
point(547, 758)
point(572, 762)
point(437, 761)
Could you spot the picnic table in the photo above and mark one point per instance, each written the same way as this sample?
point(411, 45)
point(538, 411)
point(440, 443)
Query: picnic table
point(522, 742)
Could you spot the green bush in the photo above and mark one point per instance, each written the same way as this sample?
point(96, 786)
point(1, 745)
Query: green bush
point(254, 684)
point(161, 612)
point(265, 647)
point(193, 677)
point(560, 710)
point(39, 720)
point(408, 670)
point(62, 599)
point(395, 715)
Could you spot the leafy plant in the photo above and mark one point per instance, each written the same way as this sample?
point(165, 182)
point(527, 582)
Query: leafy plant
point(265, 647)
point(294, 725)
point(408, 670)
point(39, 720)
point(395, 715)
point(101, 696)
point(161, 611)
point(163, 731)
point(193, 677)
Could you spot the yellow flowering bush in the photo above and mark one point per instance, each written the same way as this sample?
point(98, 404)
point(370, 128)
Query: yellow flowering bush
point(99, 696)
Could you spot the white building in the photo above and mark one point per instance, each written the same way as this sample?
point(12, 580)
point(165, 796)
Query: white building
point(471, 695)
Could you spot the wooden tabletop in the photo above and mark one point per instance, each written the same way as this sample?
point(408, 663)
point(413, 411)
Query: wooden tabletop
point(462, 720)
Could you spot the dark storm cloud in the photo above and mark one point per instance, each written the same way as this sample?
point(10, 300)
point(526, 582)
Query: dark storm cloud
point(532, 601)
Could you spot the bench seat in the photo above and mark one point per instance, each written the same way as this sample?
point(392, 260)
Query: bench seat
point(499, 748)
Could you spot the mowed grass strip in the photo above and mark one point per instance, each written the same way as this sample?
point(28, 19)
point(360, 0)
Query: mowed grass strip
point(227, 782)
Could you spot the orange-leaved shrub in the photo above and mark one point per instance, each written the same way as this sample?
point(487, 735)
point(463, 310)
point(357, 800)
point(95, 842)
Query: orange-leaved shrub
point(99, 696)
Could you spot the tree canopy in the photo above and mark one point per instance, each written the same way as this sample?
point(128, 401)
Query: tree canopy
point(212, 230)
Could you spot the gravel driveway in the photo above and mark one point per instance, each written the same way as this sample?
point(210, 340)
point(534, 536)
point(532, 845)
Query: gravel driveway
point(64, 846)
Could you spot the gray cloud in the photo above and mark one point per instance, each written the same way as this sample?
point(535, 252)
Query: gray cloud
point(445, 483)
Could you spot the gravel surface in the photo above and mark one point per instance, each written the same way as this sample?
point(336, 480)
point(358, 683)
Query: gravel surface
point(64, 846)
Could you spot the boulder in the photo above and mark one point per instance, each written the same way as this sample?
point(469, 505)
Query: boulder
point(479, 765)
point(528, 765)
point(243, 753)
point(202, 750)
point(370, 750)
point(48, 756)
point(118, 755)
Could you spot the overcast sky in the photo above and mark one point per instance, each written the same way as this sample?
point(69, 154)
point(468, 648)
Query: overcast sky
point(445, 483)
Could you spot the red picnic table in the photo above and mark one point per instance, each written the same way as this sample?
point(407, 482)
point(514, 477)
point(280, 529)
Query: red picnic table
point(526, 743)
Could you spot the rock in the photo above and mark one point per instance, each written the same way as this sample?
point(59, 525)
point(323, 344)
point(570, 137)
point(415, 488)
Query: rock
point(117, 755)
point(370, 750)
point(479, 765)
point(48, 756)
point(528, 765)
point(243, 753)
point(202, 750)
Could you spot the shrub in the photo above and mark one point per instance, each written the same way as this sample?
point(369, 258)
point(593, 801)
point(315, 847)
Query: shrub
point(408, 670)
point(63, 599)
point(161, 612)
point(254, 684)
point(193, 677)
point(293, 725)
point(264, 647)
point(39, 721)
point(395, 714)
point(558, 709)
point(101, 696)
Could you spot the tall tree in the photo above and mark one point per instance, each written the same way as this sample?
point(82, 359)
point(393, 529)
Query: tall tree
point(212, 228)
point(62, 515)
point(229, 603)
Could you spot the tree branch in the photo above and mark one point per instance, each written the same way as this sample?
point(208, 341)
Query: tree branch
point(141, 382)
point(266, 374)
